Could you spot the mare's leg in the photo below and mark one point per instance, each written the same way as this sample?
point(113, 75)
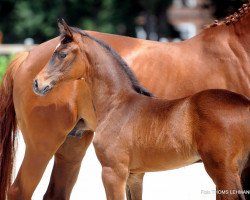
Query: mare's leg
point(245, 179)
point(39, 150)
point(134, 186)
point(67, 165)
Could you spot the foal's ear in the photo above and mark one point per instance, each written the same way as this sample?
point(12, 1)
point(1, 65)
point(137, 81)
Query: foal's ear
point(65, 31)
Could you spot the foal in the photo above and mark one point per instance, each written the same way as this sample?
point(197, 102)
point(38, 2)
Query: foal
point(136, 133)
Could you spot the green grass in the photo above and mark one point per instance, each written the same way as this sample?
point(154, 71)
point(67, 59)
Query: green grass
point(4, 61)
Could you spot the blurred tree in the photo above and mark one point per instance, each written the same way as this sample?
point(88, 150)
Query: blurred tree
point(4, 61)
point(223, 8)
point(1, 37)
point(37, 19)
point(6, 8)
point(156, 23)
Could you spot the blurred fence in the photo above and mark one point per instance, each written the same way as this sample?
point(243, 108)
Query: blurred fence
point(6, 49)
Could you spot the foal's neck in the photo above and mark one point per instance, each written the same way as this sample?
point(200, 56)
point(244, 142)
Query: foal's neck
point(110, 85)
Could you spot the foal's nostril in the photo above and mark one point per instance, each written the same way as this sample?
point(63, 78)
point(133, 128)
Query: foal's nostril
point(46, 89)
point(35, 84)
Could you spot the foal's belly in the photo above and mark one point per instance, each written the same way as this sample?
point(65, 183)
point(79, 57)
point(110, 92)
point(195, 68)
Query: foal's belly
point(160, 160)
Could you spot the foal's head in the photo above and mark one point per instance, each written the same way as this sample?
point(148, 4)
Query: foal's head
point(68, 62)
point(75, 57)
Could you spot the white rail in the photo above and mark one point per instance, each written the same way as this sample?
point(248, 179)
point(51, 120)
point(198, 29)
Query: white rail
point(14, 48)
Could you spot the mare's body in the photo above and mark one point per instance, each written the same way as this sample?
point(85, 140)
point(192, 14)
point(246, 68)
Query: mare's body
point(139, 133)
point(216, 58)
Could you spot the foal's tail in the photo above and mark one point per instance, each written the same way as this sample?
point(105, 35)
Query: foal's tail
point(8, 126)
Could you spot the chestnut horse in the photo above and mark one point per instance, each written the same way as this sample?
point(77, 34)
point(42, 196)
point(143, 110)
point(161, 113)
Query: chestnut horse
point(139, 133)
point(216, 58)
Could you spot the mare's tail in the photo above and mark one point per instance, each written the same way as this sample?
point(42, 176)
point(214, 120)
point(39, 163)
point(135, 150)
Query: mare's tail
point(8, 126)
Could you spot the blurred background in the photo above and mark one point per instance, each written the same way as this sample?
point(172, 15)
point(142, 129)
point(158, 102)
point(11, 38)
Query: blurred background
point(25, 23)
point(147, 19)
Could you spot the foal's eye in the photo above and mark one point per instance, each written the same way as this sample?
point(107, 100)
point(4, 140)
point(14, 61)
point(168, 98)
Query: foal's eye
point(62, 55)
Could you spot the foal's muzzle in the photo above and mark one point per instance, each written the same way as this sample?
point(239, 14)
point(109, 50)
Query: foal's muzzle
point(41, 91)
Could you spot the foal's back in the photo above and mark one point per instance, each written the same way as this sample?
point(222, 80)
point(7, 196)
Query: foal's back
point(172, 134)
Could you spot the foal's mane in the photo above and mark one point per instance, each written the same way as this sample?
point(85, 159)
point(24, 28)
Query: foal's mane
point(122, 64)
point(231, 19)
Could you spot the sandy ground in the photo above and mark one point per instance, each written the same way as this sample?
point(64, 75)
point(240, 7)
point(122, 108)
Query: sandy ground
point(188, 183)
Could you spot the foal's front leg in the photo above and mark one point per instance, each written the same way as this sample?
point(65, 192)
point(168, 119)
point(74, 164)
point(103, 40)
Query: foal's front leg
point(115, 165)
point(114, 180)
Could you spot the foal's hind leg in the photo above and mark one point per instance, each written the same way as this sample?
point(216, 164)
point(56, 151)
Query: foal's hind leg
point(66, 168)
point(134, 186)
point(224, 168)
point(226, 178)
point(39, 150)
